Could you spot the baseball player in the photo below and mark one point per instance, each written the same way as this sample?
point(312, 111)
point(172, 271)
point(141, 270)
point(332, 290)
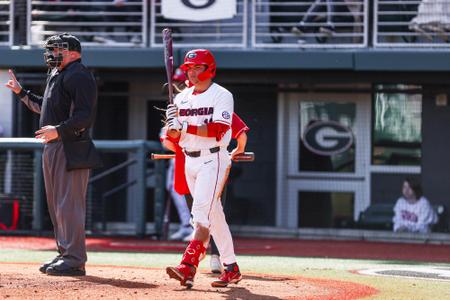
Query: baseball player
point(176, 194)
point(184, 214)
point(238, 132)
point(201, 118)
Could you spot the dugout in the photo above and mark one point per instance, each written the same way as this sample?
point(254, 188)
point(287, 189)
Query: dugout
point(395, 103)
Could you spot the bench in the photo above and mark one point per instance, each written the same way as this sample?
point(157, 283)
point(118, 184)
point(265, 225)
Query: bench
point(379, 216)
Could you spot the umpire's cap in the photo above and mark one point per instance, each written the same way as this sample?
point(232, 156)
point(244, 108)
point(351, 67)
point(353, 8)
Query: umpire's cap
point(65, 41)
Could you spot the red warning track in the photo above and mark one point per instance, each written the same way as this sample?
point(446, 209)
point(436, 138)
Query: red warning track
point(276, 247)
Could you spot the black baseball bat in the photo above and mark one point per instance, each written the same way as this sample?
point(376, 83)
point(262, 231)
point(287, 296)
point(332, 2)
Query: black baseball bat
point(168, 62)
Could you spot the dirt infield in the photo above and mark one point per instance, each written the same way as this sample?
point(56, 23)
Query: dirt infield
point(24, 281)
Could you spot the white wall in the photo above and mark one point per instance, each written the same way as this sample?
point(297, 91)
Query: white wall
point(6, 104)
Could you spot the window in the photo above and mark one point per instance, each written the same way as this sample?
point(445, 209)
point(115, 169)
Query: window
point(397, 125)
point(325, 209)
point(342, 113)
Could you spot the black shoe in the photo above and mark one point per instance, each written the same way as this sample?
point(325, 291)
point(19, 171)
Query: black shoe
point(60, 268)
point(44, 266)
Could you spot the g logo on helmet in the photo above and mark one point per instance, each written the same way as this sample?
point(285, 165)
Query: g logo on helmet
point(191, 55)
point(327, 138)
point(198, 4)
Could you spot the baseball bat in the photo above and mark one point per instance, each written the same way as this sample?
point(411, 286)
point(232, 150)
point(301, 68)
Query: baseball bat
point(246, 156)
point(168, 62)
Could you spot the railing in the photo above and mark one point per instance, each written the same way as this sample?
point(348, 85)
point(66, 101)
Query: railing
point(257, 24)
point(310, 23)
point(411, 23)
point(221, 33)
point(6, 22)
point(21, 176)
point(96, 23)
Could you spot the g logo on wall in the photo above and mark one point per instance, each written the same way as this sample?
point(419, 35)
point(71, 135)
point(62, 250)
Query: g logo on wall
point(198, 4)
point(198, 10)
point(327, 138)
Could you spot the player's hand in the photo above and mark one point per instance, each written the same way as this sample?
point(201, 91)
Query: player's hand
point(174, 124)
point(47, 134)
point(12, 83)
point(235, 152)
point(171, 112)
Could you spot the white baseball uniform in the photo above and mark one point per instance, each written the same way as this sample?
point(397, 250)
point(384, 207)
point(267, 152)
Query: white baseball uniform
point(207, 173)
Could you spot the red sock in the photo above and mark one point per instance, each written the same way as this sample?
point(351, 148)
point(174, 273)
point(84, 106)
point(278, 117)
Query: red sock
point(192, 253)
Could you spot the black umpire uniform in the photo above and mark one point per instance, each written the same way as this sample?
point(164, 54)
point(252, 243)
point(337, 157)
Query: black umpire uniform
point(69, 103)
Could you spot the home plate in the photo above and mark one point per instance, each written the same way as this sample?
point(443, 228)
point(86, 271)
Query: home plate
point(418, 272)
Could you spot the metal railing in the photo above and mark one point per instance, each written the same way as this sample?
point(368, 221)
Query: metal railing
point(96, 23)
point(411, 23)
point(221, 33)
point(6, 22)
point(310, 23)
point(257, 24)
point(21, 176)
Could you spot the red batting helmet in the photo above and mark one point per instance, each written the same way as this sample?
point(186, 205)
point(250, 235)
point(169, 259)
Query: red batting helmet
point(200, 57)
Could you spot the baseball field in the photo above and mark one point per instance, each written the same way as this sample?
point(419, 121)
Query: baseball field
point(120, 268)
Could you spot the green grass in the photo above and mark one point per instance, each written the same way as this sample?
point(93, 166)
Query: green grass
point(326, 268)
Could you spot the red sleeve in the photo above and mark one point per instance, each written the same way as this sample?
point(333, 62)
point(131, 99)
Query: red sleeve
point(214, 129)
point(237, 126)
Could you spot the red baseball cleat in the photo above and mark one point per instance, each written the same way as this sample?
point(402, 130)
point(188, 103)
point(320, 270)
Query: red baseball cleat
point(183, 273)
point(230, 275)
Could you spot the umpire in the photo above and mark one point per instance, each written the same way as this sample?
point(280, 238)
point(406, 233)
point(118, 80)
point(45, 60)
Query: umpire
point(67, 111)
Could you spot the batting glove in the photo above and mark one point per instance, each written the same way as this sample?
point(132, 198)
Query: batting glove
point(174, 124)
point(172, 111)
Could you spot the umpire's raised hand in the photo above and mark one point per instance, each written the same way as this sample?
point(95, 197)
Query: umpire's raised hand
point(12, 83)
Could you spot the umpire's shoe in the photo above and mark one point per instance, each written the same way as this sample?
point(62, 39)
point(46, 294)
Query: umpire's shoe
point(231, 274)
point(60, 268)
point(44, 266)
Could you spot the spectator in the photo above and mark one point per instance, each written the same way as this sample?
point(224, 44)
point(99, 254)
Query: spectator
point(121, 12)
point(432, 16)
point(331, 8)
point(413, 212)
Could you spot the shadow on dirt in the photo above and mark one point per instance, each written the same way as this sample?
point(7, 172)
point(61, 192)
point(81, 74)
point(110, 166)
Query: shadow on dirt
point(117, 282)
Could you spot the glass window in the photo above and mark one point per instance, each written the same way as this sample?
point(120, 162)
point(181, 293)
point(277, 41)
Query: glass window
point(397, 128)
point(327, 131)
point(325, 209)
